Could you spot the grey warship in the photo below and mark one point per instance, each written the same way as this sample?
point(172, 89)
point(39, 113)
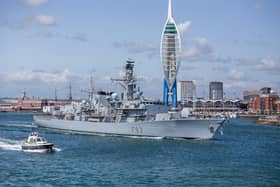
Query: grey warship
point(106, 114)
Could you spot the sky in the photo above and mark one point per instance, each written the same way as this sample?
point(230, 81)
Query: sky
point(48, 44)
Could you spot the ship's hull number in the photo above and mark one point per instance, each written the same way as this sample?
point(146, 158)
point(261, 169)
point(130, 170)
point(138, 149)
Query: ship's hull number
point(137, 130)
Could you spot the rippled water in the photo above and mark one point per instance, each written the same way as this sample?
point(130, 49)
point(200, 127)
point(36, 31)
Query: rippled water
point(246, 155)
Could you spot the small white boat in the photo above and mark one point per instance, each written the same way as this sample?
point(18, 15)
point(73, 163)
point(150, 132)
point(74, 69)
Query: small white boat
point(36, 143)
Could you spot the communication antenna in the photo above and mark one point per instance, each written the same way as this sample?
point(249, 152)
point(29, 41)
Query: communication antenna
point(55, 94)
point(70, 92)
point(90, 90)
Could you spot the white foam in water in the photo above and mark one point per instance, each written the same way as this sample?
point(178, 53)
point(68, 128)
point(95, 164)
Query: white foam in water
point(35, 151)
point(56, 149)
point(145, 137)
point(8, 144)
point(129, 136)
point(18, 125)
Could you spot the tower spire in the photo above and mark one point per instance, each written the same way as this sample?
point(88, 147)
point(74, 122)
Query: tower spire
point(169, 9)
point(170, 57)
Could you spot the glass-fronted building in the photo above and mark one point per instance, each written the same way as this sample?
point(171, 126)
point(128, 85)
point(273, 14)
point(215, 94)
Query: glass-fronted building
point(216, 90)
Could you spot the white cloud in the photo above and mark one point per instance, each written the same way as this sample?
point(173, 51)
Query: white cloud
point(137, 48)
point(236, 84)
point(35, 2)
point(202, 51)
point(102, 78)
point(201, 41)
point(45, 20)
point(42, 76)
point(235, 75)
point(184, 27)
point(69, 36)
point(17, 24)
point(268, 64)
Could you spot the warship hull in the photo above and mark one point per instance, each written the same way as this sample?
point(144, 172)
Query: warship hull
point(183, 128)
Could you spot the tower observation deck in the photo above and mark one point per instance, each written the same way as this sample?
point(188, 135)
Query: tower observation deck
point(170, 51)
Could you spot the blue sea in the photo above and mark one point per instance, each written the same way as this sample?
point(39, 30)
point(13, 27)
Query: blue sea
point(245, 155)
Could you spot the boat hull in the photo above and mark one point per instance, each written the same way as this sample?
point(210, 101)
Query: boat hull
point(183, 128)
point(44, 147)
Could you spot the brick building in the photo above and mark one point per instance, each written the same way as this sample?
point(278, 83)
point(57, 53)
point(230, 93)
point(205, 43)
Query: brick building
point(26, 104)
point(278, 106)
point(266, 102)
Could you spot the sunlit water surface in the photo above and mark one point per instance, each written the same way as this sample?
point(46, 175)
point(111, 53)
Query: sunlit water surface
point(246, 155)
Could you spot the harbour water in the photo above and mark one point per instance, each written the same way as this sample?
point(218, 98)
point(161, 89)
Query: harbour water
point(246, 155)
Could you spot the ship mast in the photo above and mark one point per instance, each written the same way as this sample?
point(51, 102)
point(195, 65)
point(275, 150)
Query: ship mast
point(128, 81)
point(90, 90)
point(70, 92)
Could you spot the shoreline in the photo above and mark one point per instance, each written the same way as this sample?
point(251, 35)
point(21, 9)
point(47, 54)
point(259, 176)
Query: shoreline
point(269, 120)
point(252, 116)
point(263, 119)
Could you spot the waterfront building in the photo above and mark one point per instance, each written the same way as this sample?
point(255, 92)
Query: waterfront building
point(26, 104)
point(266, 90)
point(214, 106)
point(186, 91)
point(265, 102)
point(170, 58)
point(278, 105)
point(250, 95)
point(6, 106)
point(216, 90)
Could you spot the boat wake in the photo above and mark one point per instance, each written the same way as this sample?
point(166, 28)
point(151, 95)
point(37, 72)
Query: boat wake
point(26, 125)
point(127, 136)
point(35, 151)
point(56, 149)
point(8, 144)
point(145, 137)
